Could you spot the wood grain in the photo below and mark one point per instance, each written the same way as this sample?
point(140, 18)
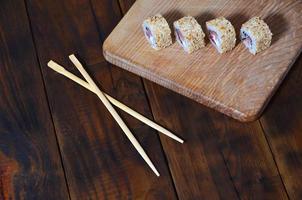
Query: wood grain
point(30, 166)
point(222, 156)
point(282, 123)
point(77, 21)
point(197, 167)
point(100, 162)
point(125, 5)
point(236, 83)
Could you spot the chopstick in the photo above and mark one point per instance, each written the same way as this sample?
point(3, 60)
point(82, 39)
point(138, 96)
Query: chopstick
point(113, 112)
point(61, 70)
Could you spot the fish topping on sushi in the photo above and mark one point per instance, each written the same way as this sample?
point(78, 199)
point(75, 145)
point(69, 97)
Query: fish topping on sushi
point(221, 34)
point(157, 32)
point(256, 35)
point(189, 34)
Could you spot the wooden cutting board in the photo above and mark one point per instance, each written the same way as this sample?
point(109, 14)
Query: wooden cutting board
point(237, 83)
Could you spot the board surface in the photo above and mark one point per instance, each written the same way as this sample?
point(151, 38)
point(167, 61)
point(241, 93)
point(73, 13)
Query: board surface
point(236, 83)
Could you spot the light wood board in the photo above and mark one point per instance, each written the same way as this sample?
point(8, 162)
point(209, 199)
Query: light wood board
point(236, 83)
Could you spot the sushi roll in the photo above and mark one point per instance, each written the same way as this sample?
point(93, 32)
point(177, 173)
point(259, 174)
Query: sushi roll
point(256, 35)
point(157, 32)
point(189, 34)
point(222, 34)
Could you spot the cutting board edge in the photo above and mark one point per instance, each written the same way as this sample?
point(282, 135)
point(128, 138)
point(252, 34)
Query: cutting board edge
point(204, 100)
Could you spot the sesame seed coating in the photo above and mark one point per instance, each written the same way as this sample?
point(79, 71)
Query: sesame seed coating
point(260, 33)
point(225, 30)
point(160, 29)
point(192, 33)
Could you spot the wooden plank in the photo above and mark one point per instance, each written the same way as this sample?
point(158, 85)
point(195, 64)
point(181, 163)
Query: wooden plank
point(237, 83)
point(100, 162)
point(30, 165)
point(282, 124)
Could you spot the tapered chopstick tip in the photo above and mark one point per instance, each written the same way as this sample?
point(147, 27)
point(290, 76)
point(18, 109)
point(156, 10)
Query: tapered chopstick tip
point(156, 173)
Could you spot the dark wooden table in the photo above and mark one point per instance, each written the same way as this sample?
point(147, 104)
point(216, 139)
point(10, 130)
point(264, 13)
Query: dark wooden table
point(57, 140)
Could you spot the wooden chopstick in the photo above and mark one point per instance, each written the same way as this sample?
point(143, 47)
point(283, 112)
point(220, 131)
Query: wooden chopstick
point(113, 112)
point(58, 68)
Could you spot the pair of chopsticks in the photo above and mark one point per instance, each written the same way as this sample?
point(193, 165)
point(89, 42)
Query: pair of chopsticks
point(107, 101)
